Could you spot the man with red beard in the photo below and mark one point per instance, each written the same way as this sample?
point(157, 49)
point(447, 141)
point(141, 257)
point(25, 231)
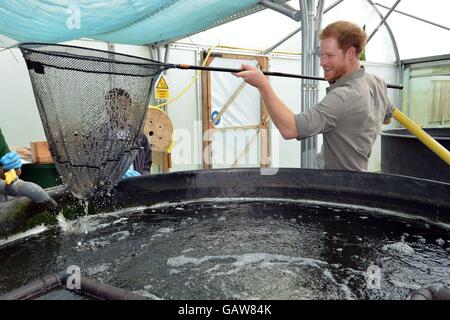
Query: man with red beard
point(350, 116)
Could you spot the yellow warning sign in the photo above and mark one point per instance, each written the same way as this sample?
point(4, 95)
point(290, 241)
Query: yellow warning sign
point(162, 84)
point(162, 89)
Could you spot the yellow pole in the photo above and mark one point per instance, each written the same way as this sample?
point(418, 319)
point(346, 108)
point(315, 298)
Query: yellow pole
point(426, 139)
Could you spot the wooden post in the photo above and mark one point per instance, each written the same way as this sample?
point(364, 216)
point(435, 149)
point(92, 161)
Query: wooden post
point(207, 124)
point(206, 111)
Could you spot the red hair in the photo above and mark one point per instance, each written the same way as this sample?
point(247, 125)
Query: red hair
point(347, 35)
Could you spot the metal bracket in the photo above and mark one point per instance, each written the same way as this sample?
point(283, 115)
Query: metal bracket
point(282, 8)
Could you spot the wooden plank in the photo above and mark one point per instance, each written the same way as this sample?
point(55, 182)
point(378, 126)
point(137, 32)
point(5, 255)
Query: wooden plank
point(265, 120)
point(206, 111)
point(229, 102)
point(246, 149)
point(234, 56)
point(40, 152)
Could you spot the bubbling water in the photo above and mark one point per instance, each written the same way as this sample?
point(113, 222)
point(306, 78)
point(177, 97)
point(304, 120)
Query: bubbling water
point(241, 249)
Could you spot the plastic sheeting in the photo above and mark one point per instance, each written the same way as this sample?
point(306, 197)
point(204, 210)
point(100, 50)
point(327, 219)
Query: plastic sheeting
point(236, 147)
point(119, 21)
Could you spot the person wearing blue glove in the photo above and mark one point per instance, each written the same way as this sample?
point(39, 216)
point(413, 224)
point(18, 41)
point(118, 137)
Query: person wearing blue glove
point(8, 159)
point(11, 160)
point(143, 160)
point(131, 173)
point(118, 99)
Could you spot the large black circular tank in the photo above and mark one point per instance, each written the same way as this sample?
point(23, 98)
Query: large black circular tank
point(247, 234)
point(402, 153)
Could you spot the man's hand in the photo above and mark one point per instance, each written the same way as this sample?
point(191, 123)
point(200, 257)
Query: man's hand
point(11, 160)
point(281, 115)
point(252, 76)
point(131, 173)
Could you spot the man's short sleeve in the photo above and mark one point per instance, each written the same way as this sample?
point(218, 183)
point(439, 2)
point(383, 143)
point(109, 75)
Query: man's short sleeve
point(389, 106)
point(321, 118)
point(389, 110)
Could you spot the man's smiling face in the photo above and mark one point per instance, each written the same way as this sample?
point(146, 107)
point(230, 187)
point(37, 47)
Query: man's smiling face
point(332, 59)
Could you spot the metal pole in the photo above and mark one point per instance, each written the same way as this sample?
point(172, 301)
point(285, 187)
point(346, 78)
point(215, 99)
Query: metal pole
point(282, 8)
point(166, 55)
point(318, 27)
point(310, 67)
point(282, 41)
point(304, 83)
point(151, 52)
point(394, 45)
point(383, 20)
point(270, 49)
point(316, 67)
point(415, 17)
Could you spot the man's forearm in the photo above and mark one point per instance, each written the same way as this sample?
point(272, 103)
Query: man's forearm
point(281, 115)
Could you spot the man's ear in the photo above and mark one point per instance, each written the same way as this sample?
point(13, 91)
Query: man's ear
point(351, 53)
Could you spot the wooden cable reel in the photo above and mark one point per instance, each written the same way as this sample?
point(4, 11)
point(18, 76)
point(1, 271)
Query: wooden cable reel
point(158, 129)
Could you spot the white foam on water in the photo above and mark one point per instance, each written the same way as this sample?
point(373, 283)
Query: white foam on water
point(217, 266)
point(172, 271)
point(148, 294)
point(348, 295)
point(399, 247)
point(62, 222)
point(18, 236)
point(400, 284)
point(241, 263)
point(91, 223)
point(396, 214)
point(119, 236)
point(99, 243)
point(120, 220)
point(97, 269)
point(165, 230)
point(246, 259)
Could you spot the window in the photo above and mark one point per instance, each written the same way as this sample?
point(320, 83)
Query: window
point(440, 100)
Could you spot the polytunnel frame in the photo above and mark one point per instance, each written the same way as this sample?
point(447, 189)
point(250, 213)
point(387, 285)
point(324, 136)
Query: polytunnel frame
point(311, 23)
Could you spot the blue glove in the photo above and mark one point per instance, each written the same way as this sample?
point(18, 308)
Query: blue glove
point(11, 160)
point(131, 173)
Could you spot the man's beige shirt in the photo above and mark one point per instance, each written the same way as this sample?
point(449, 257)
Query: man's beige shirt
point(350, 117)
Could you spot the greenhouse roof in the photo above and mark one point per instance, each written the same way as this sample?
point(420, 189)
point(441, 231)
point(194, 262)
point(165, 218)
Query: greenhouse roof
point(413, 29)
point(119, 21)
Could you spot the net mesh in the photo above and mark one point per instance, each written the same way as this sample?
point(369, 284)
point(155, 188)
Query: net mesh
point(92, 104)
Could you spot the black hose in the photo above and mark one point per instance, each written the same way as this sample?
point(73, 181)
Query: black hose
point(431, 293)
point(89, 287)
point(36, 288)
